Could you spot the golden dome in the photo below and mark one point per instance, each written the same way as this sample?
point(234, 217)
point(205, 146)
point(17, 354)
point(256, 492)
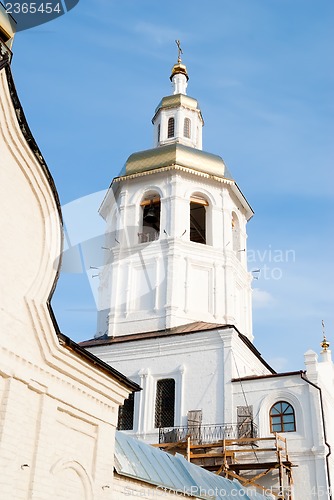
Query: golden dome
point(177, 154)
point(325, 344)
point(179, 68)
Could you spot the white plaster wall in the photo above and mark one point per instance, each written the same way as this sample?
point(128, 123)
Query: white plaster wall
point(57, 411)
point(320, 371)
point(325, 368)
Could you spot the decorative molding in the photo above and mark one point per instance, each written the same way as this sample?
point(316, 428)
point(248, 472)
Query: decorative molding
point(180, 168)
point(71, 464)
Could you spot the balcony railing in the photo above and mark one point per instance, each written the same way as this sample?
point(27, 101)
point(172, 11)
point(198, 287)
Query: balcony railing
point(206, 434)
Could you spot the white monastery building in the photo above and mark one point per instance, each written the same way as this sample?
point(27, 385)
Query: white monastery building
point(176, 318)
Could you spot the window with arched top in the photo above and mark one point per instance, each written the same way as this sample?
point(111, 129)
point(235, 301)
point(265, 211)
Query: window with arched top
point(187, 128)
point(165, 403)
point(171, 127)
point(198, 213)
point(282, 417)
point(150, 219)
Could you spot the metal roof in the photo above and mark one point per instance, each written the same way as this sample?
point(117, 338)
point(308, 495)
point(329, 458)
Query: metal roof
point(177, 154)
point(178, 100)
point(196, 326)
point(138, 460)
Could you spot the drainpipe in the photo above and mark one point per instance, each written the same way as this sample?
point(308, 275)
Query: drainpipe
point(302, 374)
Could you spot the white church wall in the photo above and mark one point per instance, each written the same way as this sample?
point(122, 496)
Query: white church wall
point(151, 360)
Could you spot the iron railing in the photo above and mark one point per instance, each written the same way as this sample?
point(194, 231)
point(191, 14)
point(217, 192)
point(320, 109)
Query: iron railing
point(206, 434)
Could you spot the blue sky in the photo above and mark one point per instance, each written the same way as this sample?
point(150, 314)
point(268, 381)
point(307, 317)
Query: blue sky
point(262, 71)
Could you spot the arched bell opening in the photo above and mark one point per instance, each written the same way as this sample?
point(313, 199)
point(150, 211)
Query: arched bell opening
point(150, 226)
point(198, 219)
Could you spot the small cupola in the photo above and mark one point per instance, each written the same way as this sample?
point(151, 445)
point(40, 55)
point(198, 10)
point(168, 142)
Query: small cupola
point(177, 118)
point(179, 76)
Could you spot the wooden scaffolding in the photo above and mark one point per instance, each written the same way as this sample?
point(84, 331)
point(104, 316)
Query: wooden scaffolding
point(246, 459)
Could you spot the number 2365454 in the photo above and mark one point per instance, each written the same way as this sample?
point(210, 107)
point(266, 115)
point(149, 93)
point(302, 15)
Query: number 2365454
point(33, 8)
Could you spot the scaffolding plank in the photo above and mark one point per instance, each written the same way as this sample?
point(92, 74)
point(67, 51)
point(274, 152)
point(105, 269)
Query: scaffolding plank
point(257, 465)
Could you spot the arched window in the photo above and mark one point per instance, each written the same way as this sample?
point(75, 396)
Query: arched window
point(165, 403)
point(171, 124)
point(125, 414)
point(282, 417)
point(150, 228)
point(187, 128)
point(198, 219)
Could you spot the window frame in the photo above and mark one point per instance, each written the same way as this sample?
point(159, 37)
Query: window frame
point(171, 127)
point(281, 413)
point(187, 128)
point(160, 407)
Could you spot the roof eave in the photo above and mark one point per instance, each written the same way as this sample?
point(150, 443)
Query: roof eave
point(241, 197)
point(92, 359)
point(268, 376)
point(174, 332)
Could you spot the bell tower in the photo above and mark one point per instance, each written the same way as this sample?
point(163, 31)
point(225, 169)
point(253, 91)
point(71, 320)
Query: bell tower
point(175, 250)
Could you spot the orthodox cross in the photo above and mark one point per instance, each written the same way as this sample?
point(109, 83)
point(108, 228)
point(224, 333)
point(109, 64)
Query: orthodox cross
point(178, 43)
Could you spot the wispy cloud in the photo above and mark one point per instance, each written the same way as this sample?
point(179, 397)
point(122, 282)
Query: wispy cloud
point(262, 298)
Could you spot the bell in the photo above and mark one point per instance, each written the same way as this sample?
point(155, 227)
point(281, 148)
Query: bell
point(151, 217)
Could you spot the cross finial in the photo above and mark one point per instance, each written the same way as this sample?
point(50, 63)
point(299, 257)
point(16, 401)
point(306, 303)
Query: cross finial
point(178, 43)
point(324, 344)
